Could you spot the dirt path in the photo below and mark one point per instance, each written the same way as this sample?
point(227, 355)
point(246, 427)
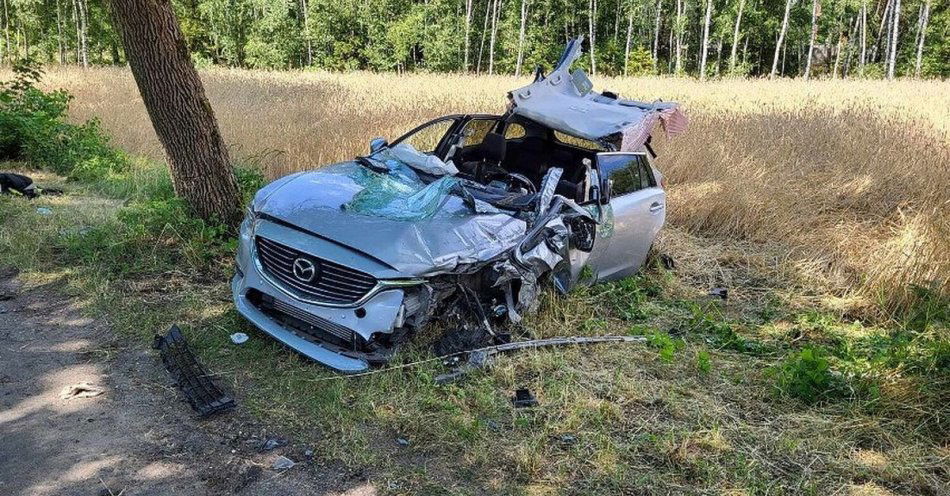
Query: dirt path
point(138, 437)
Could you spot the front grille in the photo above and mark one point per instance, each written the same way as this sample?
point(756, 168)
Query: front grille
point(305, 325)
point(333, 283)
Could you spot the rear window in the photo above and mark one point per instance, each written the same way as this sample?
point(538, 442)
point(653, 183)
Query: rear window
point(578, 142)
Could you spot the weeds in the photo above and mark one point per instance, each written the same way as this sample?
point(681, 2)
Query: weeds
point(807, 375)
point(33, 128)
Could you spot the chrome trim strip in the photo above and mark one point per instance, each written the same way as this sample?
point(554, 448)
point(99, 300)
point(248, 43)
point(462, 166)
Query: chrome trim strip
point(381, 285)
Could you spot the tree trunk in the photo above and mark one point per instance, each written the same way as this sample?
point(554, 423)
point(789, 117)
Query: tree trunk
point(679, 35)
point(893, 51)
point(781, 38)
point(305, 11)
point(481, 45)
point(491, 45)
point(60, 43)
point(924, 18)
point(524, 16)
point(815, 12)
point(591, 21)
point(6, 33)
point(735, 38)
point(702, 60)
point(469, 6)
point(864, 37)
point(656, 33)
point(626, 49)
point(178, 108)
point(880, 31)
point(834, 70)
point(84, 28)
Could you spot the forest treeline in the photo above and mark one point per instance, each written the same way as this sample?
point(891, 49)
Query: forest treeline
point(704, 38)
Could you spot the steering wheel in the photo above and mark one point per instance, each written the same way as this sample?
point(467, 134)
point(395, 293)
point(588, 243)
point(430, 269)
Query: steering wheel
point(513, 179)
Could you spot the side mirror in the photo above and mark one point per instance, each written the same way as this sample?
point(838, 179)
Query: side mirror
point(606, 187)
point(377, 144)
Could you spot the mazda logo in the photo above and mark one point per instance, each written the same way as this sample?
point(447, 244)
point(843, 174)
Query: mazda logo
point(305, 270)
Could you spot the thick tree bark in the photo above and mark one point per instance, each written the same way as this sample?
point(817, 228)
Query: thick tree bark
point(178, 107)
point(922, 34)
point(735, 38)
point(815, 12)
point(781, 38)
point(892, 59)
point(702, 61)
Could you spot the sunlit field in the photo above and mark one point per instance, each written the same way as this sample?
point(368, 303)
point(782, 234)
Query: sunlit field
point(849, 178)
point(823, 208)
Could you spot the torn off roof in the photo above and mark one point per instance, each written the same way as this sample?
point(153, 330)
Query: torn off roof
point(564, 101)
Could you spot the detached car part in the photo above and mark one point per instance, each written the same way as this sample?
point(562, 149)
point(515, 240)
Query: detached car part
point(204, 396)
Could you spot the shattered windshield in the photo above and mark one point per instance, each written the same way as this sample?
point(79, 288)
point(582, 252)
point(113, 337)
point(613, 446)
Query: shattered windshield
point(401, 183)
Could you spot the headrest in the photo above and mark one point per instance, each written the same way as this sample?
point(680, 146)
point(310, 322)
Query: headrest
point(493, 147)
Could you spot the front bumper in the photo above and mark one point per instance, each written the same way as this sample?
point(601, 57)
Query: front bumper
point(376, 315)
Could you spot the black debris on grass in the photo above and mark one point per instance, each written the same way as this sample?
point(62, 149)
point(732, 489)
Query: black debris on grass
point(204, 396)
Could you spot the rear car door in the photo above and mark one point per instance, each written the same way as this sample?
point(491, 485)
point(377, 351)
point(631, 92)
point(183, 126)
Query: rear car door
point(639, 210)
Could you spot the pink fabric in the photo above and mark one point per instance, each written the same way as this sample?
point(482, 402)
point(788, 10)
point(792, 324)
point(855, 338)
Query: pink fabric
point(673, 121)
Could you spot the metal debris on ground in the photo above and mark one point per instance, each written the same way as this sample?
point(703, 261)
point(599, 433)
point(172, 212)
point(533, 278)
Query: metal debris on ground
point(239, 338)
point(472, 360)
point(272, 443)
point(44, 211)
point(282, 463)
point(667, 262)
point(81, 390)
point(721, 293)
point(524, 399)
point(204, 396)
point(401, 441)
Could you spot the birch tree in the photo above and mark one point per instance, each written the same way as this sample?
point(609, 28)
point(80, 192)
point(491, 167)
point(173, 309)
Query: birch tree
point(705, 46)
point(524, 16)
point(469, 4)
point(735, 37)
point(815, 12)
point(781, 38)
point(656, 33)
point(921, 35)
point(893, 45)
point(591, 22)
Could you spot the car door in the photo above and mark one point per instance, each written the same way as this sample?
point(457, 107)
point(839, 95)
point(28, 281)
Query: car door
point(638, 205)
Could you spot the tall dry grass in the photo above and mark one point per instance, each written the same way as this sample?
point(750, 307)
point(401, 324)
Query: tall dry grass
point(851, 177)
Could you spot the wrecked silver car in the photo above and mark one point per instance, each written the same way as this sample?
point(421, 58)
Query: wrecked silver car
point(463, 220)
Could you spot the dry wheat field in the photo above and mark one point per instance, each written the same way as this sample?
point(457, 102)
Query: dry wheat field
point(849, 180)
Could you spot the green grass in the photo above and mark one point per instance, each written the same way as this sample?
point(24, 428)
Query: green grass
point(759, 395)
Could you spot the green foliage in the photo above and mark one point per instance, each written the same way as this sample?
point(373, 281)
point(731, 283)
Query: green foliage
point(33, 128)
point(703, 362)
point(147, 237)
point(666, 344)
point(807, 376)
point(430, 35)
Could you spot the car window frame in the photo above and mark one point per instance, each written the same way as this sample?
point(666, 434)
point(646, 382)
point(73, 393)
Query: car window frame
point(642, 165)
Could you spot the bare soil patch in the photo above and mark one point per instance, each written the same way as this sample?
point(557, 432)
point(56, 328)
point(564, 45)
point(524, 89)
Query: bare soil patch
point(138, 436)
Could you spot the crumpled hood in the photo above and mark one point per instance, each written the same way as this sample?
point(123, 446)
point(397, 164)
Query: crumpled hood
point(452, 236)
